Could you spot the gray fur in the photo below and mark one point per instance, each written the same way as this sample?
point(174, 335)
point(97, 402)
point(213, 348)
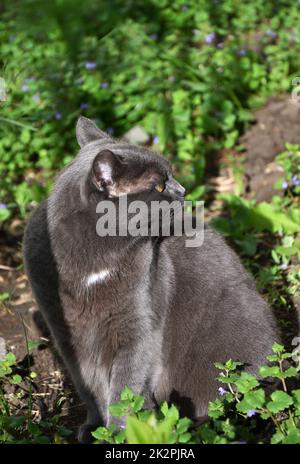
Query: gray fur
point(164, 315)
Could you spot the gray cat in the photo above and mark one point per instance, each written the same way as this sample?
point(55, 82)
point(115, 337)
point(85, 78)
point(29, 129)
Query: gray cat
point(147, 312)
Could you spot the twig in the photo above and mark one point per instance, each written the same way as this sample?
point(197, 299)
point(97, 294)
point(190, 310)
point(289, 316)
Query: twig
point(7, 268)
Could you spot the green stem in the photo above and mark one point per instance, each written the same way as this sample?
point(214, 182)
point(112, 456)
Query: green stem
point(282, 380)
point(277, 424)
point(16, 123)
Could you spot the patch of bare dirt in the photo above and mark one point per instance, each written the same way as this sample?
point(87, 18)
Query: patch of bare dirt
point(276, 124)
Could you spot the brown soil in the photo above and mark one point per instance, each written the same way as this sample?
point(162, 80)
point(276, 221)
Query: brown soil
point(276, 124)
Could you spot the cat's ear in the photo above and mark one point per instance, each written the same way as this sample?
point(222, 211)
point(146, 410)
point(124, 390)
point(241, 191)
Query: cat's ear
point(106, 169)
point(87, 131)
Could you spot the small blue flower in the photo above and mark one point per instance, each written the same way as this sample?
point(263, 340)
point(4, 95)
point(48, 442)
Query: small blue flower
point(220, 45)
point(58, 115)
point(296, 180)
point(222, 391)
point(155, 140)
point(104, 85)
point(3, 206)
point(210, 38)
point(153, 36)
point(90, 65)
point(251, 412)
point(84, 106)
point(184, 8)
point(110, 130)
point(271, 34)
point(285, 184)
point(36, 98)
point(241, 52)
point(24, 88)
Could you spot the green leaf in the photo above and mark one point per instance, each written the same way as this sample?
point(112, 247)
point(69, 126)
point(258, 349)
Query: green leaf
point(104, 434)
point(34, 344)
point(164, 408)
point(25, 136)
point(277, 348)
point(118, 409)
point(173, 414)
point(4, 214)
point(4, 296)
point(138, 403)
point(120, 437)
point(138, 432)
point(296, 396)
point(185, 437)
point(16, 379)
point(252, 400)
point(277, 438)
point(15, 422)
point(232, 365)
point(127, 394)
point(10, 358)
point(266, 371)
point(196, 193)
point(220, 366)
point(246, 382)
point(293, 437)
point(290, 372)
point(280, 401)
point(265, 217)
point(216, 409)
point(144, 415)
point(183, 425)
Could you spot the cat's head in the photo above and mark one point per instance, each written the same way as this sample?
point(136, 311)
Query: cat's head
point(117, 168)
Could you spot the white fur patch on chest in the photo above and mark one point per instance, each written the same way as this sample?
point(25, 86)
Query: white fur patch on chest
point(97, 277)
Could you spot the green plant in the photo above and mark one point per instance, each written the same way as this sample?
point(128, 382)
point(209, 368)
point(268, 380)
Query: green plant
point(188, 72)
point(17, 424)
point(236, 416)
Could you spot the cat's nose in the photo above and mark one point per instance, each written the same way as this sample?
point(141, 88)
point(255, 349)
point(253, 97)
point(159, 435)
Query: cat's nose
point(176, 189)
point(179, 189)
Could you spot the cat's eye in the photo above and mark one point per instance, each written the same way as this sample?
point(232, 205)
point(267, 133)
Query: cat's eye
point(160, 187)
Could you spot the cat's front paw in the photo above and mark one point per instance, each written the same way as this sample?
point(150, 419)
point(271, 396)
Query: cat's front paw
point(85, 433)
